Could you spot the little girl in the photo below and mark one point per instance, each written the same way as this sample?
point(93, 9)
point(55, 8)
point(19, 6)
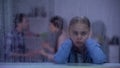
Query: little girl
point(78, 48)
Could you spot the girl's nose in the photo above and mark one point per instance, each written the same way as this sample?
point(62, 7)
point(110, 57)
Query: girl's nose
point(79, 37)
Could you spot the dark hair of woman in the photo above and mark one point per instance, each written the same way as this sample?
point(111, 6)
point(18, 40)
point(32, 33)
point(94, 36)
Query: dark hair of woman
point(57, 21)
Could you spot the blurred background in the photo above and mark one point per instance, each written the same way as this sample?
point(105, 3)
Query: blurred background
point(103, 14)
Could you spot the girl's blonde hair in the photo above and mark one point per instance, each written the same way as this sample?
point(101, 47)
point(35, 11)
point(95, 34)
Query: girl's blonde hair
point(82, 19)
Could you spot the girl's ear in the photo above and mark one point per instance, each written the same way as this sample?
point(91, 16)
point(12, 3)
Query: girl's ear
point(90, 34)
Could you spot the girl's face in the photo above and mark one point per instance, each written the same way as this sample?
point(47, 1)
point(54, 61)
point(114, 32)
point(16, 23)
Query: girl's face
point(52, 28)
point(79, 32)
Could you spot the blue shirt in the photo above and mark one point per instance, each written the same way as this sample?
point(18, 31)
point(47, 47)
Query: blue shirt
point(94, 53)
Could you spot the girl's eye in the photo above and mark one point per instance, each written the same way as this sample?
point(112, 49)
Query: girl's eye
point(75, 33)
point(83, 33)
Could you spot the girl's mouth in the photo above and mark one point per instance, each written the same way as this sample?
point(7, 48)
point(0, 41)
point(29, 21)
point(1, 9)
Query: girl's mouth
point(78, 42)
